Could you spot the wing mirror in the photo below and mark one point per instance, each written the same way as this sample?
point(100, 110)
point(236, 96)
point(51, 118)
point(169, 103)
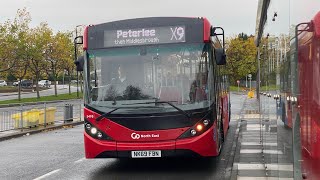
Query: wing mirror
point(79, 63)
point(220, 56)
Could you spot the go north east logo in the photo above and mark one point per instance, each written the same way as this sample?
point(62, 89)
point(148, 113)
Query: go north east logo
point(138, 136)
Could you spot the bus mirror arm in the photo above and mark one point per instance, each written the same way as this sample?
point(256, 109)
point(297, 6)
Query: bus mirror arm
point(213, 33)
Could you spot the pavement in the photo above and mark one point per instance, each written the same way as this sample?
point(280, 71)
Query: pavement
point(264, 146)
point(5, 135)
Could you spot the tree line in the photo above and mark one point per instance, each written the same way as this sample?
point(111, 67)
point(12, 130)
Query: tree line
point(34, 52)
point(241, 57)
point(37, 52)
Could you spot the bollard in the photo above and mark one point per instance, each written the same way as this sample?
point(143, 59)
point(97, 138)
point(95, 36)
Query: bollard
point(250, 94)
point(66, 113)
point(70, 112)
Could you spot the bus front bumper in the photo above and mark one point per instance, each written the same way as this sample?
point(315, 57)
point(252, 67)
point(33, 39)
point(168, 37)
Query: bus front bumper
point(203, 145)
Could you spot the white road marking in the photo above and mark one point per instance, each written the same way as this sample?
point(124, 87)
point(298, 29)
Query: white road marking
point(254, 125)
point(261, 178)
point(280, 167)
point(251, 116)
point(257, 151)
point(82, 159)
point(275, 167)
point(260, 125)
point(47, 175)
point(257, 144)
point(257, 129)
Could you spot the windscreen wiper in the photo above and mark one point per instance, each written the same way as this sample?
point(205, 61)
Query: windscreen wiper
point(113, 110)
point(166, 102)
point(106, 114)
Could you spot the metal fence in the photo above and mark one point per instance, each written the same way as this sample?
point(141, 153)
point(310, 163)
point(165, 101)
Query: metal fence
point(26, 116)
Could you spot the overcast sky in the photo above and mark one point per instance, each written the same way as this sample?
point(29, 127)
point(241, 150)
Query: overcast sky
point(234, 15)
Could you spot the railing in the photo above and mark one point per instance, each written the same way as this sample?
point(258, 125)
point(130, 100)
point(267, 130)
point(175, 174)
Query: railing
point(31, 115)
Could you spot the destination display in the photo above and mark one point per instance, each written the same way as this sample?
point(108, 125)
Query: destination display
point(144, 36)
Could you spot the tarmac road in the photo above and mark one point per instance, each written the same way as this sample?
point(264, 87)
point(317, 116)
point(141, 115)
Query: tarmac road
point(60, 155)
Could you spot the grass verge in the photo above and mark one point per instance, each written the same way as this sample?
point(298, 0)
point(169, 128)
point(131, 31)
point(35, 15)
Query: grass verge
point(44, 98)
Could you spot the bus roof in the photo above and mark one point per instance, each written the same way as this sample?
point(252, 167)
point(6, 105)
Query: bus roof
point(316, 23)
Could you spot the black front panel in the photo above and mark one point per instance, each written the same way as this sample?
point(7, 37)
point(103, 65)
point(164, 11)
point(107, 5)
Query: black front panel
point(145, 31)
point(159, 122)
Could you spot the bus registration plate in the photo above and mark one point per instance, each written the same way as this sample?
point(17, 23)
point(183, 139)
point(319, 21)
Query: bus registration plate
point(145, 154)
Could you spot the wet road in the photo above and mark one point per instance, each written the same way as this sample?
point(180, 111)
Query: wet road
point(60, 155)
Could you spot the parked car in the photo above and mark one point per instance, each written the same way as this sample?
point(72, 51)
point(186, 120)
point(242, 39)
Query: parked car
point(26, 83)
point(44, 83)
point(3, 83)
point(16, 83)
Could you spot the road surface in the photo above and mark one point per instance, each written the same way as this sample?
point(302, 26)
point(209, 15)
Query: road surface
point(60, 155)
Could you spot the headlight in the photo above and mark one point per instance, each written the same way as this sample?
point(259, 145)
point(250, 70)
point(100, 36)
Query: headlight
point(95, 132)
point(197, 129)
point(193, 132)
point(99, 135)
point(88, 126)
point(205, 122)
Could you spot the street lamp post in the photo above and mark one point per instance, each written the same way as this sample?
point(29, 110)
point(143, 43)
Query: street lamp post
point(250, 77)
point(281, 55)
point(63, 80)
point(75, 59)
point(246, 81)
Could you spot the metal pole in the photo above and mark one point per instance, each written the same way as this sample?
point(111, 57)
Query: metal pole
point(63, 80)
point(80, 112)
point(75, 59)
point(21, 116)
point(278, 60)
point(75, 54)
point(258, 80)
point(246, 80)
point(45, 115)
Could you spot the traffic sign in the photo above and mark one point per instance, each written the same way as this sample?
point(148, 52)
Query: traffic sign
point(238, 81)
